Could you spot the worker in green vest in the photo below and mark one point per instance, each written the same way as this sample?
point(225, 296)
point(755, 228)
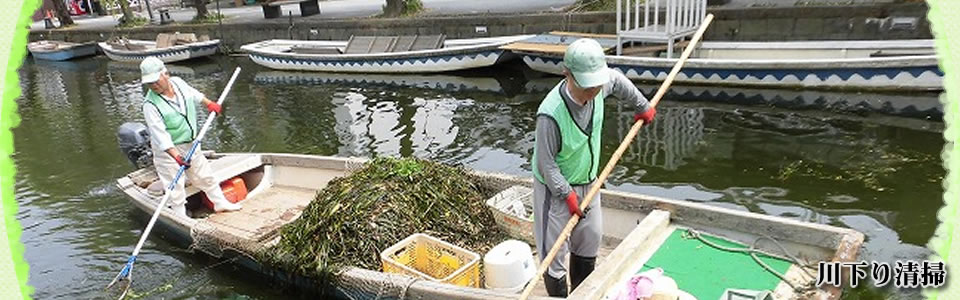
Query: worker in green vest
point(566, 157)
point(170, 111)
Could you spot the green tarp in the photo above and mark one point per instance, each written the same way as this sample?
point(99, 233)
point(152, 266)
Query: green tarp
point(706, 272)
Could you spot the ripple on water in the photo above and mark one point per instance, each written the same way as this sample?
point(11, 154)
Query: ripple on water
point(842, 199)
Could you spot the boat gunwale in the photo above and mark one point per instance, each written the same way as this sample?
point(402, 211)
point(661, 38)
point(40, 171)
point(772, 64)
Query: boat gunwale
point(460, 47)
point(820, 44)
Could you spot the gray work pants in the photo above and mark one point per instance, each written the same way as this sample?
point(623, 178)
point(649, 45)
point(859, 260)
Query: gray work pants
point(550, 216)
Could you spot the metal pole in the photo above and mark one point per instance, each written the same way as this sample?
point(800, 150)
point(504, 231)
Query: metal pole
point(219, 22)
point(148, 9)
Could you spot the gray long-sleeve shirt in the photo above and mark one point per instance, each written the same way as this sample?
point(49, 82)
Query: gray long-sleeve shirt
point(548, 134)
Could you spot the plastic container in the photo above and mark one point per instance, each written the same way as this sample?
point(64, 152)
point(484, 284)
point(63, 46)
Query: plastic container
point(509, 266)
point(512, 209)
point(424, 256)
point(234, 189)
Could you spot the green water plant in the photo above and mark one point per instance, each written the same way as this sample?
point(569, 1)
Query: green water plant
point(355, 217)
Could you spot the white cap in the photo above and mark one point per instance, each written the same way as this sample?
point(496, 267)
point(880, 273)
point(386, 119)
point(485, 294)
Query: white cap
point(150, 69)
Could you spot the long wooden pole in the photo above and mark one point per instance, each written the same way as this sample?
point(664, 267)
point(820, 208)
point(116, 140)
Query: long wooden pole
point(574, 219)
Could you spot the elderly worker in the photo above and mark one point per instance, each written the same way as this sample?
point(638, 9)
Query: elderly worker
point(566, 157)
point(170, 111)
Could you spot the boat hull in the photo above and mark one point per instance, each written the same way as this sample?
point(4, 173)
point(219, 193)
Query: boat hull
point(456, 57)
point(919, 73)
point(81, 50)
point(167, 55)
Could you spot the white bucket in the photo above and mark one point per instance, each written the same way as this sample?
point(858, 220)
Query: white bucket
point(509, 266)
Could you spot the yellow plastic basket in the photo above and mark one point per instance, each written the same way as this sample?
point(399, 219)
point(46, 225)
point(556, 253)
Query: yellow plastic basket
point(427, 257)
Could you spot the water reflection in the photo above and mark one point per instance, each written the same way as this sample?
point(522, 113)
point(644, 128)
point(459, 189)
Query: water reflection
point(928, 106)
point(444, 82)
point(877, 175)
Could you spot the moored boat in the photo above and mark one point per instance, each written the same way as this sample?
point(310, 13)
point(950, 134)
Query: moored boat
point(382, 54)
point(899, 65)
point(638, 230)
point(60, 50)
point(136, 50)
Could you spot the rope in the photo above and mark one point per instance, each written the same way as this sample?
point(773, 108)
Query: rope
point(753, 254)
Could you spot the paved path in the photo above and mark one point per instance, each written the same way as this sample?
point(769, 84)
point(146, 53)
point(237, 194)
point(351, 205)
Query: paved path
point(335, 10)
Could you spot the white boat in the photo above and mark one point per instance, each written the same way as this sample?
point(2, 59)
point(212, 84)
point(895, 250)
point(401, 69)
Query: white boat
point(140, 49)
point(382, 54)
point(896, 65)
point(60, 50)
point(639, 230)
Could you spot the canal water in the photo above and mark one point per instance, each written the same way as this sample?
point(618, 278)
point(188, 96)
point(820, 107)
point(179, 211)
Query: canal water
point(875, 173)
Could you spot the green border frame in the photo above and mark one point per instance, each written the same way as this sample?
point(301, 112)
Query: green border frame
point(944, 17)
point(14, 26)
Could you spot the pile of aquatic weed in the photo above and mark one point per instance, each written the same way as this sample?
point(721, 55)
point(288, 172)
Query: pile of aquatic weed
point(356, 217)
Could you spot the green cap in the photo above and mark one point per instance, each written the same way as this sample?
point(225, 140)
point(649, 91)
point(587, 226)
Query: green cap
point(586, 60)
point(150, 69)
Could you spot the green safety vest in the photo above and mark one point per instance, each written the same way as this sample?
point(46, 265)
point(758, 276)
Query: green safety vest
point(180, 127)
point(579, 156)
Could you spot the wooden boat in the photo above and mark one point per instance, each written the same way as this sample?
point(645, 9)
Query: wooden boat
point(636, 228)
point(901, 65)
point(382, 54)
point(137, 50)
point(60, 50)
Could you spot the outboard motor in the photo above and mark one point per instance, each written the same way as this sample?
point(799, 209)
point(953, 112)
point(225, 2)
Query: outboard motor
point(134, 140)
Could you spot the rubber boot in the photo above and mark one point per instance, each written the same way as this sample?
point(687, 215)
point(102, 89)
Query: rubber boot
point(580, 268)
point(179, 209)
point(220, 202)
point(555, 287)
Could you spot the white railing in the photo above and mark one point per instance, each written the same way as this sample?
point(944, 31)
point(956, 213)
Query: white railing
point(681, 18)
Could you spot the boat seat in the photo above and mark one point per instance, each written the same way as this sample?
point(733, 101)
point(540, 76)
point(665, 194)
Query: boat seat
point(383, 44)
point(427, 42)
point(369, 44)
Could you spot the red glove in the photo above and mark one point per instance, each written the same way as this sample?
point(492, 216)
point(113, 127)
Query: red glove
point(572, 205)
point(181, 162)
point(646, 116)
point(214, 107)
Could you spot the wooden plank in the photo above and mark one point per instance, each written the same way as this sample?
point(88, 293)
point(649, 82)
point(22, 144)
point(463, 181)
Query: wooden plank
point(534, 47)
point(165, 40)
point(404, 43)
point(581, 34)
point(382, 44)
point(263, 214)
point(359, 44)
point(650, 49)
point(639, 243)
